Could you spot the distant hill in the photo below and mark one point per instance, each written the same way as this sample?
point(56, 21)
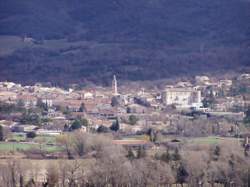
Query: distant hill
point(89, 40)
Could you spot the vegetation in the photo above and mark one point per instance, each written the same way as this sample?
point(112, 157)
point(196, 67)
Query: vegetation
point(247, 117)
point(113, 165)
point(9, 108)
point(82, 108)
point(132, 39)
point(78, 123)
point(132, 119)
point(2, 135)
point(31, 134)
point(115, 125)
point(29, 117)
point(114, 101)
point(27, 147)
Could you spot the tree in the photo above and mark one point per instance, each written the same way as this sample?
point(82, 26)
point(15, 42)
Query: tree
point(76, 125)
point(114, 101)
point(182, 174)
point(115, 125)
point(102, 129)
point(52, 176)
point(176, 155)
point(141, 101)
point(130, 154)
point(216, 152)
point(209, 100)
point(66, 141)
point(2, 134)
point(82, 108)
point(9, 108)
point(29, 117)
point(84, 122)
point(79, 143)
point(132, 119)
point(247, 118)
point(40, 104)
point(166, 157)
point(129, 110)
point(141, 153)
point(152, 135)
point(31, 134)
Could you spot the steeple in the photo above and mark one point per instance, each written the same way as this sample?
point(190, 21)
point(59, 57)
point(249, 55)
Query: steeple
point(114, 86)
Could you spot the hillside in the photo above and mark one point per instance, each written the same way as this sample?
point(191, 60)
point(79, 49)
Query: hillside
point(89, 40)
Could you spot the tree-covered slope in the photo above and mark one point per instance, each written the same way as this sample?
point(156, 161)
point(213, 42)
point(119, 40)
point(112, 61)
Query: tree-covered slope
point(142, 39)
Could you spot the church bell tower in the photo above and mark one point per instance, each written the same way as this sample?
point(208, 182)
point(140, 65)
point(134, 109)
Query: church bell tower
point(114, 86)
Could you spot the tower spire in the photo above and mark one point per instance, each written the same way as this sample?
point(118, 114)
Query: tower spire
point(114, 86)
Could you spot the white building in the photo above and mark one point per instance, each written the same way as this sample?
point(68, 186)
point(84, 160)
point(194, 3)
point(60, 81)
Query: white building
point(182, 97)
point(48, 102)
point(88, 95)
point(203, 80)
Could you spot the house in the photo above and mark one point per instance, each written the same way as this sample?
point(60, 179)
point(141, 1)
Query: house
point(225, 84)
point(131, 128)
point(88, 95)
point(202, 80)
point(45, 132)
point(24, 128)
point(8, 96)
point(244, 76)
point(48, 102)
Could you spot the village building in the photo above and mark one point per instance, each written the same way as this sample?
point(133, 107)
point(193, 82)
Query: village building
point(224, 104)
point(244, 76)
point(8, 96)
point(202, 80)
point(24, 128)
point(88, 95)
point(48, 102)
point(182, 97)
point(46, 132)
point(28, 100)
point(225, 84)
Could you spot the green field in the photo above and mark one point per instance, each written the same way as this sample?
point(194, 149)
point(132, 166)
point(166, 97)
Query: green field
point(45, 139)
point(18, 137)
point(14, 146)
point(205, 140)
point(38, 139)
point(210, 140)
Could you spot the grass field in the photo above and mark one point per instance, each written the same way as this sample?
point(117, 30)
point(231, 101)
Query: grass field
point(15, 146)
point(18, 137)
point(45, 139)
point(211, 140)
point(46, 143)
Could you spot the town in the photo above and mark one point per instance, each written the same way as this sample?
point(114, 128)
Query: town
point(39, 121)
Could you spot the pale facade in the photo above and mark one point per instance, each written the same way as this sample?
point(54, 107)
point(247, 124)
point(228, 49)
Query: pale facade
point(182, 97)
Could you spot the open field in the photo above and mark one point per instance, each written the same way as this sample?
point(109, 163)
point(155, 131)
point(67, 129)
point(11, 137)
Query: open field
point(15, 146)
point(18, 137)
point(136, 137)
point(211, 140)
point(45, 139)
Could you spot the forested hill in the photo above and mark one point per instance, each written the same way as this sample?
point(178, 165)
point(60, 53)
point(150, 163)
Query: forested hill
point(89, 40)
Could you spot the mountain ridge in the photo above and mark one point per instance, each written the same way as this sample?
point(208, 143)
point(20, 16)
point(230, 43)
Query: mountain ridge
point(89, 40)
